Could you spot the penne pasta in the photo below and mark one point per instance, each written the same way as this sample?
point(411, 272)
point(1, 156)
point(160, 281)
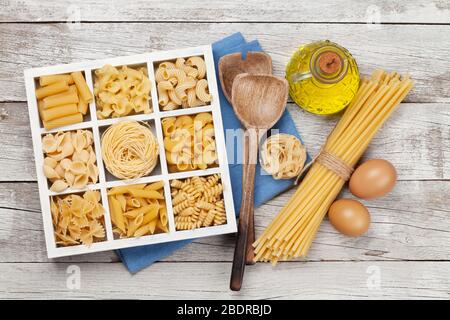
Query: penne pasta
point(140, 207)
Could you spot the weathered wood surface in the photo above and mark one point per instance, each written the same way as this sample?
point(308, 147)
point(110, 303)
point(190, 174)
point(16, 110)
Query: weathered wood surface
point(421, 50)
point(410, 224)
point(408, 244)
point(312, 280)
point(384, 11)
point(414, 139)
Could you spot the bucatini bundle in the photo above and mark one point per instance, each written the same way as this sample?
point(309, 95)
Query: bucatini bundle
point(292, 231)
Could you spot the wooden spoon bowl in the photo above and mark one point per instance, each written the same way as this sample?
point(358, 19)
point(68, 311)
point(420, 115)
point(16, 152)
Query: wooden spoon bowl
point(232, 65)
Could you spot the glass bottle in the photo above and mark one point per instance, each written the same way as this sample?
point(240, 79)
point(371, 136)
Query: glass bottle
point(323, 77)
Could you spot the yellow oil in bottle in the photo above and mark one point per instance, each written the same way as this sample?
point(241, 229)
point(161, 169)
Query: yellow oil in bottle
point(323, 77)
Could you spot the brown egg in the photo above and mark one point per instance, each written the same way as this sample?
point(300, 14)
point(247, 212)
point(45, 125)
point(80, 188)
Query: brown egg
point(373, 179)
point(349, 217)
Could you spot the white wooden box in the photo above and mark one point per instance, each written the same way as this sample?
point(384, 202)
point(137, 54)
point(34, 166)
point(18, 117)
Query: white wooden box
point(161, 171)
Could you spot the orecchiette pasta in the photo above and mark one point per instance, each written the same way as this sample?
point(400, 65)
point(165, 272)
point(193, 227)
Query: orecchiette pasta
point(182, 84)
point(70, 160)
point(78, 219)
point(138, 210)
point(198, 202)
point(189, 142)
point(121, 91)
point(283, 156)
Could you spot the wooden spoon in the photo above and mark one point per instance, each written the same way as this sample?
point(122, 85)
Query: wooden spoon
point(230, 66)
point(259, 102)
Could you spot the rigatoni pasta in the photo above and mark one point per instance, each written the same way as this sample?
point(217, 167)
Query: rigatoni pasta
point(62, 100)
point(182, 84)
point(138, 210)
point(121, 91)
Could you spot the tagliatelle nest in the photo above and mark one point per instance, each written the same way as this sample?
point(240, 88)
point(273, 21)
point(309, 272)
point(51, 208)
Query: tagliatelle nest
point(129, 150)
point(283, 156)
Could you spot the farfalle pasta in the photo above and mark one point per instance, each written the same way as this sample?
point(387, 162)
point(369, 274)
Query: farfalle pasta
point(198, 202)
point(78, 219)
point(138, 210)
point(189, 142)
point(121, 91)
point(182, 84)
point(70, 159)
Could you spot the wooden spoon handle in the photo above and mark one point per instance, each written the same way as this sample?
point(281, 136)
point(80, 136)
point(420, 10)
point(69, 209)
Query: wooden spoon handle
point(251, 217)
point(240, 250)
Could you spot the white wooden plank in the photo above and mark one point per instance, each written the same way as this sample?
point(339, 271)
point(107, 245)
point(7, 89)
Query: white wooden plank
point(311, 280)
point(421, 50)
point(414, 11)
point(410, 224)
point(414, 139)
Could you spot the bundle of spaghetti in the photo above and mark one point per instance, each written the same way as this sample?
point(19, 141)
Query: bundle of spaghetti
point(292, 231)
point(129, 149)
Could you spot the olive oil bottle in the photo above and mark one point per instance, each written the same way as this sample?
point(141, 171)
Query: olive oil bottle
point(323, 77)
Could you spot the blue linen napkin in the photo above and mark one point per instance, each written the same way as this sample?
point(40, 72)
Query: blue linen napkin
point(266, 187)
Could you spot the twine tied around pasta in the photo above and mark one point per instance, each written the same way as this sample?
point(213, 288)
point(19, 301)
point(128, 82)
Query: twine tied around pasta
point(331, 162)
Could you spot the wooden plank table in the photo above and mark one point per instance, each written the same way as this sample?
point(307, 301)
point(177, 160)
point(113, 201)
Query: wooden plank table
point(405, 254)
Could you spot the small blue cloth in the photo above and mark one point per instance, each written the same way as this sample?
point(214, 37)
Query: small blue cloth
point(266, 187)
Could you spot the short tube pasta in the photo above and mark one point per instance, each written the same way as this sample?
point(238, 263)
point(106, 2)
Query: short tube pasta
point(61, 102)
point(82, 86)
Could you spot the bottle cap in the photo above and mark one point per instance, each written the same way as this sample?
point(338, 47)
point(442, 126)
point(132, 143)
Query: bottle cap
point(329, 62)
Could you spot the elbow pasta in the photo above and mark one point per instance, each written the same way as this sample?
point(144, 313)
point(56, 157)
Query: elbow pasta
point(138, 210)
point(198, 202)
point(121, 91)
point(78, 219)
point(189, 142)
point(70, 159)
point(182, 84)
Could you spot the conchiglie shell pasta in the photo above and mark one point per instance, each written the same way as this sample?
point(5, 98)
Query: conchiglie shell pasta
point(78, 168)
point(59, 170)
point(49, 143)
point(80, 181)
point(82, 156)
point(52, 163)
point(72, 158)
point(69, 177)
point(65, 163)
point(92, 172)
point(58, 186)
point(50, 173)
